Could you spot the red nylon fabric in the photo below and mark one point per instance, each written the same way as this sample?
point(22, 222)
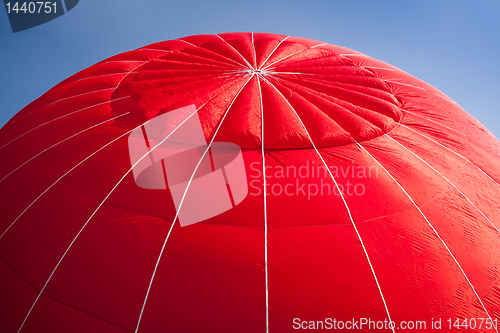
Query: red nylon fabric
point(413, 236)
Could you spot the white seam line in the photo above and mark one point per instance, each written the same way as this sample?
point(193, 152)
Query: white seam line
point(63, 116)
point(53, 184)
point(220, 55)
point(265, 207)
point(435, 122)
point(270, 54)
point(58, 143)
point(346, 206)
point(233, 74)
point(109, 74)
point(242, 57)
point(439, 173)
point(213, 62)
point(182, 40)
point(95, 211)
point(288, 56)
point(454, 152)
point(429, 223)
point(79, 95)
point(125, 73)
point(318, 45)
point(180, 204)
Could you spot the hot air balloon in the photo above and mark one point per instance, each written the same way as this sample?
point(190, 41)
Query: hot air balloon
point(247, 182)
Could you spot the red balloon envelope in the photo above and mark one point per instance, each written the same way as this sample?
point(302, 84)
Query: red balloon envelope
point(247, 183)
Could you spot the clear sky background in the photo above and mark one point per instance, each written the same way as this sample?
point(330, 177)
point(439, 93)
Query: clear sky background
point(452, 44)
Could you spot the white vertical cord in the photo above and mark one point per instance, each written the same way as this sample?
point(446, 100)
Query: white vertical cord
point(265, 206)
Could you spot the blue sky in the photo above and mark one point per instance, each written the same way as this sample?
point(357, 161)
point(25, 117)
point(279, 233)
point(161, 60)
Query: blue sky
point(452, 44)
